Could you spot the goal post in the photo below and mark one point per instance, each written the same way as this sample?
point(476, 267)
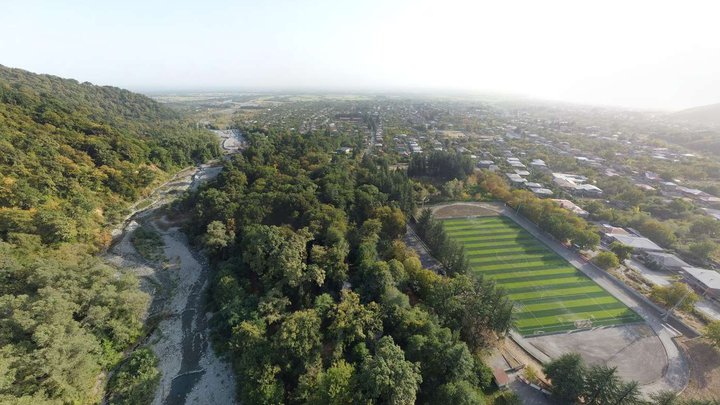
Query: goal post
point(583, 324)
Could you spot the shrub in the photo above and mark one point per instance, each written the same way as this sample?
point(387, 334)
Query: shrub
point(136, 379)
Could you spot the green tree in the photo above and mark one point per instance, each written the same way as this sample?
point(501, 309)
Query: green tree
point(658, 232)
point(621, 250)
point(217, 236)
point(278, 255)
point(677, 293)
point(703, 250)
point(600, 385)
point(393, 222)
point(387, 377)
point(567, 374)
point(606, 260)
point(335, 385)
point(603, 386)
point(705, 226)
point(135, 381)
point(508, 398)
point(460, 393)
point(586, 238)
point(664, 398)
point(55, 227)
point(353, 322)
point(712, 333)
point(453, 189)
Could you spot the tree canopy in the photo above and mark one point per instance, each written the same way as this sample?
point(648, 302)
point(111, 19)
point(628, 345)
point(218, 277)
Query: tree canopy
point(72, 157)
point(318, 299)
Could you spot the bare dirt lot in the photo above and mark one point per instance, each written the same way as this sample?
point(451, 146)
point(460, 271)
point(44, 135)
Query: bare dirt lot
point(624, 347)
point(704, 370)
point(461, 210)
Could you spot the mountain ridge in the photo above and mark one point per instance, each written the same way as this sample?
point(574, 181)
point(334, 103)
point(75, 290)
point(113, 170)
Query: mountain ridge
point(704, 115)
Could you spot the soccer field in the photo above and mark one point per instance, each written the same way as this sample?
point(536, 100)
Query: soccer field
point(550, 295)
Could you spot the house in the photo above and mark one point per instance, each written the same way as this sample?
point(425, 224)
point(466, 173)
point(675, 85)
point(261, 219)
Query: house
point(485, 164)
point(588, 190)
point(515, 178)
point(572, 207)
point(344, 150)
point(576, 184)
point(540, 191)
point(638, 243)
point(693, 192)
point(664, 261)
point(706, 281)
point(574, 178)
point(713, 213)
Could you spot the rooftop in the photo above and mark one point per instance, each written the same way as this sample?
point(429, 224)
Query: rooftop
point(667, 259)
point(709, 278)
point(636, 242)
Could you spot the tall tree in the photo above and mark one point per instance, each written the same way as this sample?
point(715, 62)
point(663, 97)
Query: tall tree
point(387, 377)
point(567, 374)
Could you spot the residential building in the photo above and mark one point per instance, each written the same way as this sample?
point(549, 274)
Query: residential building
point(707, 282)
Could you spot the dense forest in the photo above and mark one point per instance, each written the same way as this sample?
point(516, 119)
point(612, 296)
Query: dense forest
point(316, 297)
point(441, 164)
point(72, 156)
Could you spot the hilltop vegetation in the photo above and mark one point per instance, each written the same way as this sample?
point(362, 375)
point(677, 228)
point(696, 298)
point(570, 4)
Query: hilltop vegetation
point(318, 300)
point(72, 156)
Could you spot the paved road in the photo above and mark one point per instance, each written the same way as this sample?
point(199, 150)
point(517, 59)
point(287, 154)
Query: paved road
point(709, 308)
point(413, 241)
point(528, 395)
point(655, 277)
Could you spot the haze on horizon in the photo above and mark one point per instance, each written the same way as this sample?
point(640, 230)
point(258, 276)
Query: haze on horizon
point(644, 54)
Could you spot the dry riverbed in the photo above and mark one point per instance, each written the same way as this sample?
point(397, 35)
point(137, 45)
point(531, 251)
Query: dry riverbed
point(191, 372)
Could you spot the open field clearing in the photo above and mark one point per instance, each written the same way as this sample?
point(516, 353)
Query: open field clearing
point(550, 295)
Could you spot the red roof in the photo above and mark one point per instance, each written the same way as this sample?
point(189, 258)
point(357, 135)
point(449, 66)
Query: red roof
point(501, 377)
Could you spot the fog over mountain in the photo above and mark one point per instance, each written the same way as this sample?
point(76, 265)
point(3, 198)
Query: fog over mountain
point(705, 115)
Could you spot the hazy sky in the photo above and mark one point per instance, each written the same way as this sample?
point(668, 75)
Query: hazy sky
point(651, 54)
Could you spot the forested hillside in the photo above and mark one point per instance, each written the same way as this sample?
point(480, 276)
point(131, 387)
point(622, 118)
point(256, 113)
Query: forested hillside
point(317, 298)
point(72, 156)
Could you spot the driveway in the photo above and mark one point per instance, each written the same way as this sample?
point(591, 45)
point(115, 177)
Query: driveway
point(709, 308)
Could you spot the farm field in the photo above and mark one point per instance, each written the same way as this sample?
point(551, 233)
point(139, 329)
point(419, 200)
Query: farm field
point(550, 295)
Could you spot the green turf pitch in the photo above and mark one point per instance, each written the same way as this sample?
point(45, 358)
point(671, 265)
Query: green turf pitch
point(549, 293)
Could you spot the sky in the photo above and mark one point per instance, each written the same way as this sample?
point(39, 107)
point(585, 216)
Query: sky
point(632, 53)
